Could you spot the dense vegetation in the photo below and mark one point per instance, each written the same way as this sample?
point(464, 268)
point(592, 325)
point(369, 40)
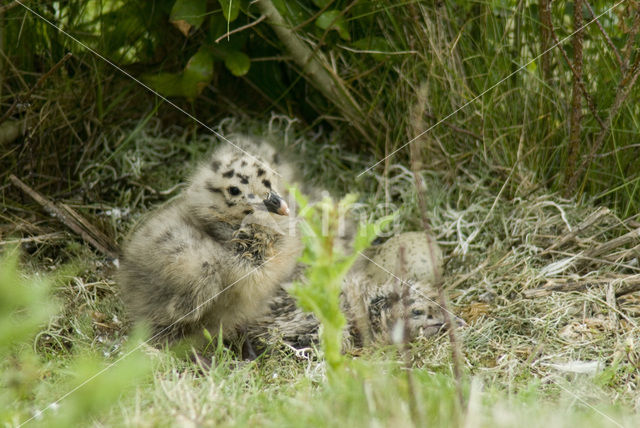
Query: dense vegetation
point(384, 74)
point(520, 115)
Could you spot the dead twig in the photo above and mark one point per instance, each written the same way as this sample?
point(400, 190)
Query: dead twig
point(608, 246)
point(37, 239)
point(627, 82)
point(564, 286)
point(631, 285)
point(244, 27)
point(593, 255)
point(585, 224)
point(456, 353)
point(315, 67)
point(404, 297)
point(628, 48)
point(72, 220)
point(34, 87)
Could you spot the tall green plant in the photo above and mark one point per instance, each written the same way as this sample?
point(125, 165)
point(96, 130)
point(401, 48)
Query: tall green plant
point(328, 264)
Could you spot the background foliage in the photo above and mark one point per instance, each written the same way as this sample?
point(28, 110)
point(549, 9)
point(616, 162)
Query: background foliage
point(403, 66)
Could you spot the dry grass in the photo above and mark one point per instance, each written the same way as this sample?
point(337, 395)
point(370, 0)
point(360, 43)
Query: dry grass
point(510, 247)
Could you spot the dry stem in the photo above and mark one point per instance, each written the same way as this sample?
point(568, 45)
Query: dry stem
point(456, 353)
point(314, 66)
point(576, 113)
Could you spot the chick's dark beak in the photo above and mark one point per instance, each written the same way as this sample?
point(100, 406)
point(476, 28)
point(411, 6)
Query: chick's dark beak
point(276, 204)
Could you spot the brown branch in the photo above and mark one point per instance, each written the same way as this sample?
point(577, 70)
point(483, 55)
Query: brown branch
point(545, 38)
point(604, 34)
point(587, 96)
point(72, 220)
point(576, 98)
point(244, 27)
point(315, 68)
point(628, 47)
point(624, 89)
point(34, 87)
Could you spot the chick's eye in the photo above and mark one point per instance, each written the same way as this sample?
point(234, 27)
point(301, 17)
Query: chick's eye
point(417, 312)
point(233, 191)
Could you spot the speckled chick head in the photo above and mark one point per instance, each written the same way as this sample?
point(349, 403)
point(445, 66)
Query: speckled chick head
point(392, 312)
point(233, 185)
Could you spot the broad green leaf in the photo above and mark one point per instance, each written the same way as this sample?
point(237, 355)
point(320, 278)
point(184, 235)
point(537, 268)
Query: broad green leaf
point(376, 45)
point(230, 9)
point(332, 20)
point(200, 66)
point(197, 73)
point(190, 82)
point(187, 14)
point(237, 62)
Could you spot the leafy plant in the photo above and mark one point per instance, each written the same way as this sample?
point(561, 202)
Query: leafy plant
point(84, 391)
point(328, 265)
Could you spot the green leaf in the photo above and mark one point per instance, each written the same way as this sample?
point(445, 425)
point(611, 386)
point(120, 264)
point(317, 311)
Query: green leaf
point(238, 63)
point(230, 9)
point(190, 82)
point(200, 66)
point(25, 303)
point(168, 84)
point(187, 14)
point(321, 3)
point(332, 20)
point(374, 44)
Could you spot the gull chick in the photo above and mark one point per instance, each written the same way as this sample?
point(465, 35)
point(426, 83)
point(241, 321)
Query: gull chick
point(213, 257)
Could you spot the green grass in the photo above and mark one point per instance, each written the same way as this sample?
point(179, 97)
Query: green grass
point(516, 349)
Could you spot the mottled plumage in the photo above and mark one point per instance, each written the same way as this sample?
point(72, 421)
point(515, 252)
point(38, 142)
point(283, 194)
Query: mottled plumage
point(377, 306)
point(214, 257)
